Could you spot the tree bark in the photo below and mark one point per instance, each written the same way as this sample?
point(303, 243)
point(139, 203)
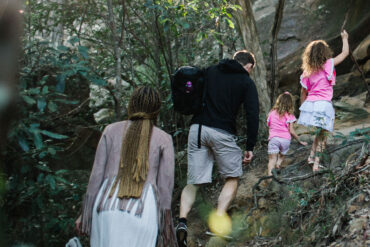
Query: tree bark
point(116, 41)
point(248, 30)
point(274, 85)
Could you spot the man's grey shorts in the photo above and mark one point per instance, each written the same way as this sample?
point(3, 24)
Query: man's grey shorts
point(216, 145)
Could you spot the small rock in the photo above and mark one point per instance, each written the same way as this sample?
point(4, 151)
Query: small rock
point(357, 224)
point(103, 115)
point(357, 101)
point(361, 198)
point(352, 209)
point(262, 203)
point(366, 66)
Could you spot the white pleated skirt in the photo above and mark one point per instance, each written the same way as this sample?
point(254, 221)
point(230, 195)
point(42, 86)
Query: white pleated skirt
point(117, 228)
point(317, 114)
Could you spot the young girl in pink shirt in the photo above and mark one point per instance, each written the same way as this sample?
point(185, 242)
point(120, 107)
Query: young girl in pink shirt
point(317, 82)
point(280, 122)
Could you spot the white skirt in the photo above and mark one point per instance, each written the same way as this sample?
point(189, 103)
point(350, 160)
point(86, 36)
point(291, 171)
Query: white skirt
point(117, 228)
point(317, 114)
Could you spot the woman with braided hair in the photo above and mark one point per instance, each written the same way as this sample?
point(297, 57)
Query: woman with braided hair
point(128, 198)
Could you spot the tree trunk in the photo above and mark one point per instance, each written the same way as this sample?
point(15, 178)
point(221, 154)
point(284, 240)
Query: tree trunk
point(116, 42)
point(248, 30)
point(274, 85)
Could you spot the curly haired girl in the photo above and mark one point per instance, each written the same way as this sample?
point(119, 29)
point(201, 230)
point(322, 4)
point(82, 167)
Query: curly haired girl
point(317, 83)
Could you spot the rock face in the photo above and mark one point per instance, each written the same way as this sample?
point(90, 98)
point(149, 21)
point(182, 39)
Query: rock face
point(363, 50)
point(307, 20)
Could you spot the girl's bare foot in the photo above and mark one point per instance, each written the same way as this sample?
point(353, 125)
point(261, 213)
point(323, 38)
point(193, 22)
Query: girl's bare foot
point(311, 159)
point(315, 167)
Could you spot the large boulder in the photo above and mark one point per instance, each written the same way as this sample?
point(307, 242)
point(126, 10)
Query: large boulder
point(307, 20)
point(362, 51)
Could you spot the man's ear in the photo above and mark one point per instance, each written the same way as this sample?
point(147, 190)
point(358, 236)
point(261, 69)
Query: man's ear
point(248, 67)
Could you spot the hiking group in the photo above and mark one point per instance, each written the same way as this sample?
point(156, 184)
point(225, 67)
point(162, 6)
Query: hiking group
point(129, 194)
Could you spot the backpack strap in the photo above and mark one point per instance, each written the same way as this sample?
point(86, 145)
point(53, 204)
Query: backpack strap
point(203, 106)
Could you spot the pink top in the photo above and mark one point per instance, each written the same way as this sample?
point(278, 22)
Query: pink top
point(319, 85)
point(279, 126)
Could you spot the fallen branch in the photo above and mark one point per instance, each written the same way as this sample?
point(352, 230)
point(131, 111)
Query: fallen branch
point(73, 111)
point(321, 193)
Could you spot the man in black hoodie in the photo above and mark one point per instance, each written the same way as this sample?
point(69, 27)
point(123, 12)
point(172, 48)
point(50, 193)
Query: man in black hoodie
point(228, 87)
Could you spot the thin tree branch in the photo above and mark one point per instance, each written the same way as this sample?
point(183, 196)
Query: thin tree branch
point(367, 100)
point(273, 51)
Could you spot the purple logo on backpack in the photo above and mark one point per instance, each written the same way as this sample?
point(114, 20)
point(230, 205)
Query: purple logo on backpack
point(189, 87)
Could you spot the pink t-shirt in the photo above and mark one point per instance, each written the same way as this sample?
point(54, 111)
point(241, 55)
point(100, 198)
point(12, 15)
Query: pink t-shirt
point(279, 126)
point(319, 85)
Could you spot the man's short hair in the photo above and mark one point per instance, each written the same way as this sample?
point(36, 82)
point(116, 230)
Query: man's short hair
point(244, 57)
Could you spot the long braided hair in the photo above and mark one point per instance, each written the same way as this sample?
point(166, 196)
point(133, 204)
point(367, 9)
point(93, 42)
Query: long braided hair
point(143, 109)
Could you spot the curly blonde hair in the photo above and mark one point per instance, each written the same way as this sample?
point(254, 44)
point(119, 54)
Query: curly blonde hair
point(283, 104)
point(315, 55)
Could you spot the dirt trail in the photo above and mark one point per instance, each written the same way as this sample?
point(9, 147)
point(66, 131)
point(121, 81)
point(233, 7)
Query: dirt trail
point(355, 225)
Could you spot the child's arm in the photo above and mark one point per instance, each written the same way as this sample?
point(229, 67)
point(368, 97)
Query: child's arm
point(303, 95)
point(292, 132)
point(345, 49)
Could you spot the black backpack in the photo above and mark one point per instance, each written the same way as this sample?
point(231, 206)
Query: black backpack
point(187, 86)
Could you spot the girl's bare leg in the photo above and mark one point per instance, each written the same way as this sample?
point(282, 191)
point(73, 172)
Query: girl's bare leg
point(272, 163)
point(321, 143)
point(311, 158)
point(280, 160)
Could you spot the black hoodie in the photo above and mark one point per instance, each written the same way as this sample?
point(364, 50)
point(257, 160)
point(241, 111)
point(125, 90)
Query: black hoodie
point(228, 86)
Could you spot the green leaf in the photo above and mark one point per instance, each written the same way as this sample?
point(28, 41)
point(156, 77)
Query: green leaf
point(61, 84)
point(40, 177)
point(43, 154)
point(62, 180)
point(28, 99)
point(24, 145)
point(231, 24)
point(61, 171)
point(51, 181)
point(97, 81)
point(68, 102)
point(52, 106)
point(199, 37)
point(35, 90)
point(44, 79)
point(53, 135)
point(73, 40)
point(34, 126)
point(45, 90)
point(37, 140)
point(185, 25)
point(63, 48)
point(41, 104)
point(52, 151)
point(84, 51)
point(44, 168)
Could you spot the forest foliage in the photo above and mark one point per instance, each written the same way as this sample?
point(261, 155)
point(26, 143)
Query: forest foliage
point(67, 46)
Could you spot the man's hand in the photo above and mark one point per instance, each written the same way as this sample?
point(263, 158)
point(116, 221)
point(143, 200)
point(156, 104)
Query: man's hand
point(78, 225)
point(248, 155)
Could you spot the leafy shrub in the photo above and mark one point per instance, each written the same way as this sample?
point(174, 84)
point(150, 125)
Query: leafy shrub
point(41, 203)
